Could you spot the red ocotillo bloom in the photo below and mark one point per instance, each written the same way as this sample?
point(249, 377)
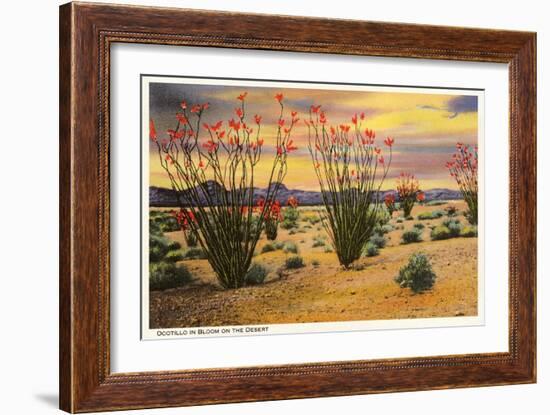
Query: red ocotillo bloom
point(350, 169)
point(407, 190)
point(212, 169)
point(389, 201)
point(463, 168)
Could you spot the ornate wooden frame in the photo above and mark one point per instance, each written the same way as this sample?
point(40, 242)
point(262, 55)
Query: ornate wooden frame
point(86, 33)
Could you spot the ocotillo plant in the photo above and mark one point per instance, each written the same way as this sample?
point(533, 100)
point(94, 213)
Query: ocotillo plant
point(184, 217)
point(272, 218)
point(214, 178)
point(350, 169)
point(407, 190)
point(463, 168)
point(389, 201)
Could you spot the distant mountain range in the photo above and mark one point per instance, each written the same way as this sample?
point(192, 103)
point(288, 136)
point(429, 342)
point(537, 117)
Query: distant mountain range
point(162, 197)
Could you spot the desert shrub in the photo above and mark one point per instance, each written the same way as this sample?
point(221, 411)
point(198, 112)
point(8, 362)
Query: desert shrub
point(314, 220)
point(164, 222)
point(383, 229)
point(418, 226)
point(417, 274)
point(173, 256)
point(469, 231)
point(440, 232)
point(370, 249)
point(278, 245)
point(315, 263)
point(294, 262)
point(378, 240)
point(290, 218)
point(194, 253)
point(409, 218)
point(451, 211)
point(154, 228)
point(269, 247)
point(307, 227)
point(271, 228)
point(156, 254)
point(291, 232)
point(399, 220)
point(159, 246)
point(301, 231)
point(256, 274)
point(318, 241)
point(435, 214)
point(414, 235)
point(191, 238)
point(382, 217)
point(328, 250)
point(290, 247)
point(454, 227)
point(164, 275)
point(173, 245)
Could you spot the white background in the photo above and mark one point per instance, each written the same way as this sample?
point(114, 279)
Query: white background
point(29, 116)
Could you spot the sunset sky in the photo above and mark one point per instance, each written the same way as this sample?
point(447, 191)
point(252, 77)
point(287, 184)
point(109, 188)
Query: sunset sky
point(425, 125)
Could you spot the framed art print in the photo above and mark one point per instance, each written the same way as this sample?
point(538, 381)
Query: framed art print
point(265, 214)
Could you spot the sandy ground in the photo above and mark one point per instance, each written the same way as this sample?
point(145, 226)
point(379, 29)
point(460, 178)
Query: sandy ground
point(326, 292)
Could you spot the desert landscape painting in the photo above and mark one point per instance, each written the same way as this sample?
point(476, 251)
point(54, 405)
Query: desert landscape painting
point(276, 203)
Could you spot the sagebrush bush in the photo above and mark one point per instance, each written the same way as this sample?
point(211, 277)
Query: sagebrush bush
point(378, 240)
point(159, 246)
point(318, 241)
point(454, 227)
point(154, 228)
point(399, 220)
point(269, 247)
point(382, 217)
point(156, 254)
point(411, 236)
point(256, 274)
point(313, 219)
point(164, 275)
point(294, 262)
point(173, 245)
point(164, 221)
point(278, 245)
point(383, 229)
point(440, 232)
point(419, 226)
point(370, 249)
point(417, 275)
point(435, 214)
point(173, 256)
point(194, 253)
point(315, 263)
point(191, 239)
point(290, 218)
point(290, 247)
point(451, 211)
point(468, 231)
point(328, 250)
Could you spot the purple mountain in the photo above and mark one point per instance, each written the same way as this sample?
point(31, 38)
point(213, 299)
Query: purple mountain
point(162, 197)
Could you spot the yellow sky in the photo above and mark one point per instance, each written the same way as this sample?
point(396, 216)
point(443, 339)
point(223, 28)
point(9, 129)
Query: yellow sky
point(425, 126)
